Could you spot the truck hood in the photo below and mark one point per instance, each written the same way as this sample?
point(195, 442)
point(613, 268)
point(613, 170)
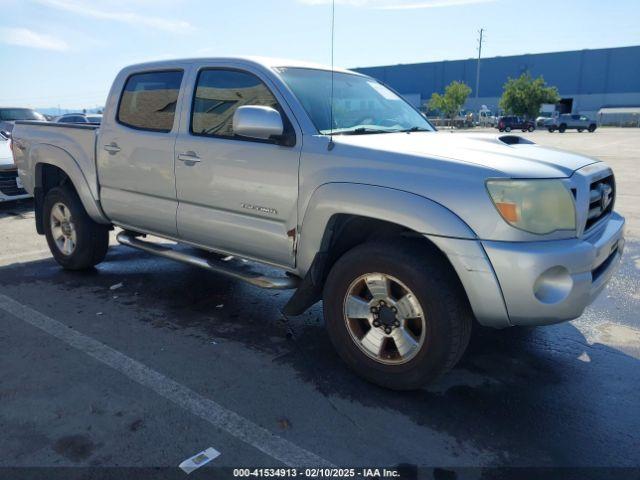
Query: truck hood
point(511, 155)
point(6, 158)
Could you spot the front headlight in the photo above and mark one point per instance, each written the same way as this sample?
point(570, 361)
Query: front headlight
point(535, 206)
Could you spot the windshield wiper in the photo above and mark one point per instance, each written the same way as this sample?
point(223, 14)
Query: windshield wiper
point(363, 131)
point(415, 129)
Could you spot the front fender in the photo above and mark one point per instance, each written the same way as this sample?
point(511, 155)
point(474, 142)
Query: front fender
point(409, 210)
point(44, 154)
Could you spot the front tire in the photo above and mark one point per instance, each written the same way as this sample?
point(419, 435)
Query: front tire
point(562, 128)
point(592, 128)
point(507, 129)
point(531, 128)
point(396, 315)
point(75, 240)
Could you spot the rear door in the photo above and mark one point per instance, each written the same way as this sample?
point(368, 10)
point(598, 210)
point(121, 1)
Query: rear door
point(236, 194)
point(135, 153)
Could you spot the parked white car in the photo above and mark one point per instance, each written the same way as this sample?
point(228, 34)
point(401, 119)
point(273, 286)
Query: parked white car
point(11, 187)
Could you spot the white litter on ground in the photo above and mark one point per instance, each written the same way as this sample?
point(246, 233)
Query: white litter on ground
point(116, 286)
point(584, 357)
point(198, 460)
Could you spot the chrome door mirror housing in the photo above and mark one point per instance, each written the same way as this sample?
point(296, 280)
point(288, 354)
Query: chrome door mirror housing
point(253, 121)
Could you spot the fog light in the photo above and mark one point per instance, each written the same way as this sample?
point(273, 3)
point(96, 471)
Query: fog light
point(554, 285)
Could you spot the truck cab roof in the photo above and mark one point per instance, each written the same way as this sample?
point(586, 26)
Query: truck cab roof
point(256, 61)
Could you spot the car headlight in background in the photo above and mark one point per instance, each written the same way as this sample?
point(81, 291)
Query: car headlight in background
point(535, 206)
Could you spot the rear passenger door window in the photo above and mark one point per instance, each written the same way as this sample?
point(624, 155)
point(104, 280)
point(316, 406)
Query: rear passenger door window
point(148, 101)
point(219, 93)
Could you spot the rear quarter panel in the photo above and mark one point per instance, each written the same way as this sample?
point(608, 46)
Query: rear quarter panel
point(68, 147)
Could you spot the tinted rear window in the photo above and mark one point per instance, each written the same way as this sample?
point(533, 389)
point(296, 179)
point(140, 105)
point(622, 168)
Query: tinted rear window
point(72, 119)
point(148, 101)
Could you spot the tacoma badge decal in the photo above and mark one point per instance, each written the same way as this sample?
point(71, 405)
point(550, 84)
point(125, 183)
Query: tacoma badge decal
point(258, 208)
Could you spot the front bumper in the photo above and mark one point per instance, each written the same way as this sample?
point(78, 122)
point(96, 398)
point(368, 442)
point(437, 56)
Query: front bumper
point(553, 281)
point(9, 188)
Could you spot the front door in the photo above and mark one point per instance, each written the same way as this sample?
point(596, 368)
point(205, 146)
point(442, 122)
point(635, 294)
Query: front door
point(136, 154)
point(235, 195)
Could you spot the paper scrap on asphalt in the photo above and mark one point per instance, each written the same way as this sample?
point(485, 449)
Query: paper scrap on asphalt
point(198, 460)
point(116, 286)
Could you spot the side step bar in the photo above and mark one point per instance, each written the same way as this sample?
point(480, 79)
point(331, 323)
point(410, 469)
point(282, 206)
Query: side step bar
point(232, 268)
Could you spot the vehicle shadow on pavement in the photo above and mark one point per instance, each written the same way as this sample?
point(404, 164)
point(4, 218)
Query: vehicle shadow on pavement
point(17, 208)
point(537, 396)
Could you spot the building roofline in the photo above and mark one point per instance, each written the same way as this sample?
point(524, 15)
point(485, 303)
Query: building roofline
point(496, 57)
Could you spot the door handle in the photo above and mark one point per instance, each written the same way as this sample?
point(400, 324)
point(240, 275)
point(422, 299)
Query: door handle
point(189, 157)
point(112, 148)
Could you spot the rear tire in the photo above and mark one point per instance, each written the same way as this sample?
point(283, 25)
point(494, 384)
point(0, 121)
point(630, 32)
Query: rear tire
point(507, 129)
point(580, 130)
point(531, 128)
point(75, 240)
point(432, 320)
point(551, 129)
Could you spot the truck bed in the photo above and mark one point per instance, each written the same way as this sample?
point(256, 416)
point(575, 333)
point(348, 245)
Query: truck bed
point(77, 140)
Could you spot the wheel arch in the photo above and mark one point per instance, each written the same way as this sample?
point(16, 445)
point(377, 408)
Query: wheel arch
point(407, 210)
point(52, 167)
point(343, 215)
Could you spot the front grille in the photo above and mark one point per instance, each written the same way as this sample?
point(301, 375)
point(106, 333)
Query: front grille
point(602, 194)
point(8, 184)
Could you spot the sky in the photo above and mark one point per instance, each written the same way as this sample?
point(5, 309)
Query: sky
point(67, 52)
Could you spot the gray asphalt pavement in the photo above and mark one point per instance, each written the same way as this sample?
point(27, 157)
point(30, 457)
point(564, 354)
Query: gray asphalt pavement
point(177, 360)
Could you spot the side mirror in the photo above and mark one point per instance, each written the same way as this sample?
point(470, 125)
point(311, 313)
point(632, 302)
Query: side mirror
point(263, 123)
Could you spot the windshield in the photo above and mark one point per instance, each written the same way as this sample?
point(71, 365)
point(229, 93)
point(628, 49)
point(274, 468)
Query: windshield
point(11, 114)
point(360, 104)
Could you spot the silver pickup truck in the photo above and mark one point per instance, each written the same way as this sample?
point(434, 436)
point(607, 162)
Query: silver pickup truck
point(407, 235)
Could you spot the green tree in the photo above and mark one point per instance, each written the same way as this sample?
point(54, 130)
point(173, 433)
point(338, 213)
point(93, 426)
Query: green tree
point(449, 104)
point(524, 95)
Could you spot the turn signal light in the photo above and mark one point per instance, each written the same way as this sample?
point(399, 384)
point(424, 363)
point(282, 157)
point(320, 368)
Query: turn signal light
point(508, 211)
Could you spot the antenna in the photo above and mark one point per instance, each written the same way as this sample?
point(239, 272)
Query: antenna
point(481, 32)
point(333, 27)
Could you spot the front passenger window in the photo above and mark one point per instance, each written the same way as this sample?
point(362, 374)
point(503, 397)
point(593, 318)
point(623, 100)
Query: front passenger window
point(219, 93)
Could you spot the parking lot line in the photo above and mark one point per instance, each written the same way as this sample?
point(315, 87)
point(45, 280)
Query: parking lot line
point(205, 408)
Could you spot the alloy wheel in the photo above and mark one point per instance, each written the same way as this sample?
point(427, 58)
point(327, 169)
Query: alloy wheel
point(63, 229)
point(384, 318)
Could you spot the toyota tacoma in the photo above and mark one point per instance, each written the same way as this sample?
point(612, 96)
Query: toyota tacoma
point(406, 234)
